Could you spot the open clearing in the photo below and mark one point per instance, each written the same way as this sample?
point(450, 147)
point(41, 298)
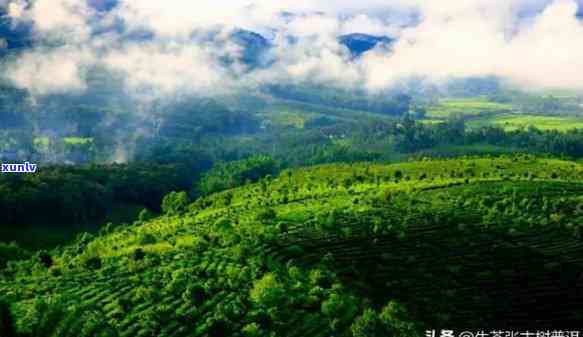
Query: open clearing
point(466, 107)
point(512, 122)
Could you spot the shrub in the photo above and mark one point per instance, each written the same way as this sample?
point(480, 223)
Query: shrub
point(45, 259)
point(266, 215)
point(139, 254)
point(11, 252)
point(195, 294)
point(339, 308)
point(146, 239)
point(268, 291)
point(108, 228)
point(53, 317)
point(294, 250)
point(392, 321)
point(282, 227)
point(366, 325)
point(175, 203)
point(93, 263)
point(395, 319)
point(220, 328)
point(145, 215)
point(55, 271)
point(223, 225)
point(398, 175)
point(251, 330)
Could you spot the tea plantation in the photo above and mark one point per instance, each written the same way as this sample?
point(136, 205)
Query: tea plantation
point(332, 250)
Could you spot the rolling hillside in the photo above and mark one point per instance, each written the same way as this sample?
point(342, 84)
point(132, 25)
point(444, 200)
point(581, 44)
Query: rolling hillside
point(333, 250)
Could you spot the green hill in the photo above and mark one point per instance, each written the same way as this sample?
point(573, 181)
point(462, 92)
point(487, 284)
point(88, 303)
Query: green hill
point(333, 250)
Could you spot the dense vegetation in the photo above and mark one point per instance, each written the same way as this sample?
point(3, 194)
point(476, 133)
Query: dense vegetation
point(289, 209)
point(343, 250)
point(242, 140)
point(49, 207)
point(276, 213)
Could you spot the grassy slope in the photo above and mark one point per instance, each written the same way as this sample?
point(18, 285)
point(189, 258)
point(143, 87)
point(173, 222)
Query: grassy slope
point(512, 122)
point(481, 112)
point(384, 238)
point(466, 106)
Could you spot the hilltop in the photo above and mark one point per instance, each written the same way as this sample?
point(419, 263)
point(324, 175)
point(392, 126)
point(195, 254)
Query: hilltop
point(331, 250)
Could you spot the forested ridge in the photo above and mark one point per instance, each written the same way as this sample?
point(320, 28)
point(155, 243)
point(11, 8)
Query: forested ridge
point(314, 251)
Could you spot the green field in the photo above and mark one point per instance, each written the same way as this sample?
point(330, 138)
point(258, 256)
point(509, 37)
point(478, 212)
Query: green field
point(77, 141)
point(283, 115)
point(42, 144)
point(330, 250)
point(465, 107)
point(512, 122)
point(479, 112)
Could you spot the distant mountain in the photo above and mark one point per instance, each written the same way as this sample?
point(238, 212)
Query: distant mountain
point(254, 46)
point(359, 43)
point(103, 5)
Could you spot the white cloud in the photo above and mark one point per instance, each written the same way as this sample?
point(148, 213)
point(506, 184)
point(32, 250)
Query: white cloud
point(63, 19)
point(452, 39)
point(16, 9)
point(550, 52)
point(51, 71)
point(481, 39)
point(166, 68)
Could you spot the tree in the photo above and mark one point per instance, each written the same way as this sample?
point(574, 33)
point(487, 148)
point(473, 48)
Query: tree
point(366, 325)
point(268, 291)
point(175, 203)
point(45, 259)
point(395, 318)
point(232, 174)
point(139, 254)
point(339, 308)
point(392, 321)
point(398, 175)
point(412, 136)
point(10, 252)
point(266, 215)
point(252, 330)
point(145, 215)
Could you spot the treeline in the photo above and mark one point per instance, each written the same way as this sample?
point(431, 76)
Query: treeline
point(65, 200)
point(228, 175)
point(412, 136)
point(62, 196)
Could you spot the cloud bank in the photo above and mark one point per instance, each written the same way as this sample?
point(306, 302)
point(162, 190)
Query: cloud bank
point(176, 46)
